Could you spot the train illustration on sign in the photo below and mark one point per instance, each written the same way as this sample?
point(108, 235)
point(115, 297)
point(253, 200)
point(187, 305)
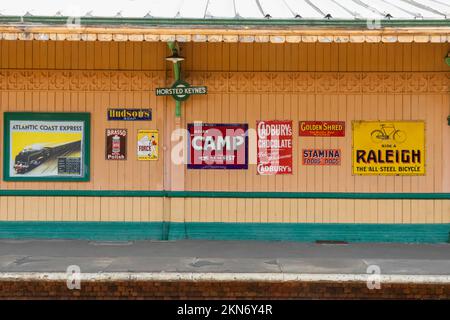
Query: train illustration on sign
point(34, 155)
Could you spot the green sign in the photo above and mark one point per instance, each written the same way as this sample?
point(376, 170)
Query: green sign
point(181, 90)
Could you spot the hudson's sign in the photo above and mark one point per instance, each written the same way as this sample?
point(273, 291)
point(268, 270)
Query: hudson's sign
point(322, 128)
point(130, 114)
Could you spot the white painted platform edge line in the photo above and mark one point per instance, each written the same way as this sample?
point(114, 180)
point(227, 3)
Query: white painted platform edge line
point(188, 276)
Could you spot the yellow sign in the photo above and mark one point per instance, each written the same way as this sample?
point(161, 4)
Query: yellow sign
point(40, 148)
point(388, 148)
point(147, 145)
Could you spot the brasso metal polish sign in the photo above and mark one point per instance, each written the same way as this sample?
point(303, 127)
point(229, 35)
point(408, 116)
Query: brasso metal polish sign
point(274, 147)
point(217, 146)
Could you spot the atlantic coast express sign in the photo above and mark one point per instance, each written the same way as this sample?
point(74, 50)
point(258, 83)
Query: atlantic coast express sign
point(274, 147)
point(388, 148)
point(217, 146)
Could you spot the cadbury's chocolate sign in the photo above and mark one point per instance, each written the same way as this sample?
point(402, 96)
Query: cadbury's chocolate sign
point(217, 146)
point(274, 147)
point(321, 128)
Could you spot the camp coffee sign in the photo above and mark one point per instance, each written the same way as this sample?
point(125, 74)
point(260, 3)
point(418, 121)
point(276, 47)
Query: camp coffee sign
point(274, 147)
point(217, 146)
point(388, 148)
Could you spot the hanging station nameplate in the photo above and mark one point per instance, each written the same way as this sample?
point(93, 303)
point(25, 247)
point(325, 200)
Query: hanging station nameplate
point(181, 90)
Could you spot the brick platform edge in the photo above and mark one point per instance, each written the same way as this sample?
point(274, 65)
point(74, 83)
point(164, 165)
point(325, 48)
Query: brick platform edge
point(241, 286)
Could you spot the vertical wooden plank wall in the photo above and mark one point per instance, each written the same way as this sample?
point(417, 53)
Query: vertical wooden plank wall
point(341, 82)
point(247, 82)
point(87, 77)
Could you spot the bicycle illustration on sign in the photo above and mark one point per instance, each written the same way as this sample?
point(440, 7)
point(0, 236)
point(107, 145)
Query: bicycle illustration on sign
point(388, 132)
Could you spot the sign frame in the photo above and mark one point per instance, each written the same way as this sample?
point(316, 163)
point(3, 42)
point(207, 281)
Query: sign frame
point(84, 117)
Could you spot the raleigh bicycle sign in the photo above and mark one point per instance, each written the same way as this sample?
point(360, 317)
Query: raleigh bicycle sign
point(181, 90)
point(388, 148)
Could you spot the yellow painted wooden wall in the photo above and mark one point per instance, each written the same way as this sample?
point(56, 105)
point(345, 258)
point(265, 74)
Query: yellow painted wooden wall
point(65, 76)
point(250, 82)
point(246, 82)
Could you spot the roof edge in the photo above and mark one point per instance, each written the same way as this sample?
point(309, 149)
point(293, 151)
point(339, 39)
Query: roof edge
point(216, 22)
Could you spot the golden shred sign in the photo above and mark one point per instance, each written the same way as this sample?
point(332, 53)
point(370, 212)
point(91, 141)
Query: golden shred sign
point(394, 148)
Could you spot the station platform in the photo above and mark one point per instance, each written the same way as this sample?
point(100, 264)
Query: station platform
point(223, 269)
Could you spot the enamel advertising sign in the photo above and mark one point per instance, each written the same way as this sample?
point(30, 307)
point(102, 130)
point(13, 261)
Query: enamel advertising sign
point(388, 148)
point(321, 157)
point(274, 147)
point(322, 129)
point(217, 146)
point(116, 144)
point(46, 146)
point(147, 145)
point(129, 114)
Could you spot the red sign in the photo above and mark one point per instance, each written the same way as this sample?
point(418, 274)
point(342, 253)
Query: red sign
point(218, 146)
point(322, 128)
point(321, 157)
point(274, 147)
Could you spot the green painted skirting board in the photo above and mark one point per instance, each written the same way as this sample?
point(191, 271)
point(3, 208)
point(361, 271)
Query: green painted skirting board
point(223, 194)
point(302, 232)
point(310, 232)
point(112, 231)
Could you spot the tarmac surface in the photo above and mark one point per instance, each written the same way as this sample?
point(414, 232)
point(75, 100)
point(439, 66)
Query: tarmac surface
point(189, 256)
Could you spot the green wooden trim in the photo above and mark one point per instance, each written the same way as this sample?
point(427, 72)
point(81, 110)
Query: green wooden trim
point(108, 231)
point(85, 117)
point(223, 194)
point(310, 232)
point(267, 23)
point(306, 195)
point(82, 193)
point(302, 232)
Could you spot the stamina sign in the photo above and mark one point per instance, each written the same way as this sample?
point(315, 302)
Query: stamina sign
point(181, 90)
